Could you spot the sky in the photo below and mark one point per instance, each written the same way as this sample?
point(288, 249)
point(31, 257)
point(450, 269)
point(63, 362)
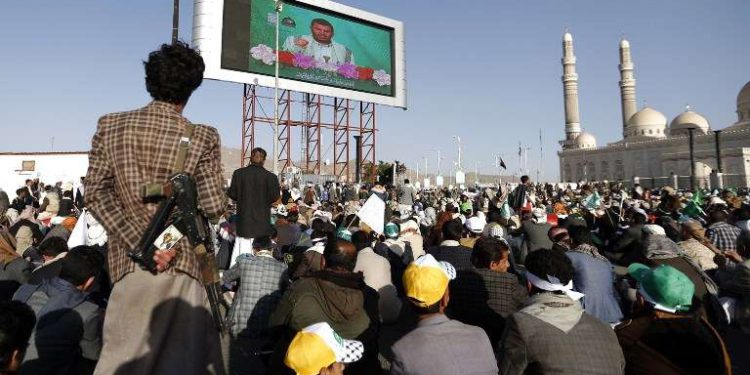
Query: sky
point(487, 71)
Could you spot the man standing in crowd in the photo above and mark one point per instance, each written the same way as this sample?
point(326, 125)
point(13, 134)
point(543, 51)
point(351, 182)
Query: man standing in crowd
point(438, 345)
point(520, 195)
point(254, 189)
point(406, 196)
point(130, 150)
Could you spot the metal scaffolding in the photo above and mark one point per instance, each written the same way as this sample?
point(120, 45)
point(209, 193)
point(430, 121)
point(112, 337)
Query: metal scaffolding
point(311, 110)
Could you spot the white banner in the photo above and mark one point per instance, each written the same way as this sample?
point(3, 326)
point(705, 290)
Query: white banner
point(372, 213)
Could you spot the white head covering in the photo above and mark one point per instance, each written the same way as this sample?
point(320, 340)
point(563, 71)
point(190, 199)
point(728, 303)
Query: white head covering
point(554, 285)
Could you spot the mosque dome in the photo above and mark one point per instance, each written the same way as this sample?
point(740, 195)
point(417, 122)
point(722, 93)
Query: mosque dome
point(647, 122)
point(585, 140)
point(687, 120)
point(743, 105)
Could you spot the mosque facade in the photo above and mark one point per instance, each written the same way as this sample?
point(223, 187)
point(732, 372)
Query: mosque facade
point(652, 151)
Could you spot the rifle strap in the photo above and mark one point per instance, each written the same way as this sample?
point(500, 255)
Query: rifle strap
point(182, 150)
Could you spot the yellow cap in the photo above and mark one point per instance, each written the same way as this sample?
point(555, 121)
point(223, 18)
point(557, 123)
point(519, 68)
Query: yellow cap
point(318, 346)
point(426, 279)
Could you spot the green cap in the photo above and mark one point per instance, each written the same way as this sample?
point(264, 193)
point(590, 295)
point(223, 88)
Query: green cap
point(664, 286)
point(391, 230)
point(344, 234)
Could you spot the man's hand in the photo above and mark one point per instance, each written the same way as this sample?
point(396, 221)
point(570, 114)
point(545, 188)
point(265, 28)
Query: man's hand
point(733, 256)
point(164, 258)
point(301, 42)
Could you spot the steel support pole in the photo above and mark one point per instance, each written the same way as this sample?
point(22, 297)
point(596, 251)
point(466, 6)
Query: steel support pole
point(718, 151)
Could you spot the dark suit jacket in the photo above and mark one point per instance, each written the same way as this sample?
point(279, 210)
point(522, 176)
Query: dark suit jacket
point(628, 244)
point(458, 256)
point(254, 189)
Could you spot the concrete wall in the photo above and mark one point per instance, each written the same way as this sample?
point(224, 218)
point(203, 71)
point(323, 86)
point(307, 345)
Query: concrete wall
point(49, 168)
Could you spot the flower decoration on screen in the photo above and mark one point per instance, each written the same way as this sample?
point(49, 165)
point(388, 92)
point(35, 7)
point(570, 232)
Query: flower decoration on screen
point(267, 56)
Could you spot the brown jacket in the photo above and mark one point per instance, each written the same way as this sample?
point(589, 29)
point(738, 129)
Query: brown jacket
point(131, 149)
point(657, 342)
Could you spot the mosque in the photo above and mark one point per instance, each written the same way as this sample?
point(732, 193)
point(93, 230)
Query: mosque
point(650, 152)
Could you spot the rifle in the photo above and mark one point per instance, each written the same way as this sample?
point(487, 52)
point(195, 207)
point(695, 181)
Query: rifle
point(179, 206)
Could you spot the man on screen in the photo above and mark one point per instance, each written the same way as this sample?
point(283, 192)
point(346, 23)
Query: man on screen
point(320, 44)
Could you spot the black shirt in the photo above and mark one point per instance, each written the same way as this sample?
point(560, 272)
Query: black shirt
point(254, 189)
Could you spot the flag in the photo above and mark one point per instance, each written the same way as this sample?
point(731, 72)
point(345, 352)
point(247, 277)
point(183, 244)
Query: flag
point(593, 201)
point(372, 213)
point(502, 163)
point(79, 235)
point(693, 206)
point(519, 150)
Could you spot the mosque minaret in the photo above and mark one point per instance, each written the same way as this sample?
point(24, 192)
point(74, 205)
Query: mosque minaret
point(570, 89)
point(627, 85)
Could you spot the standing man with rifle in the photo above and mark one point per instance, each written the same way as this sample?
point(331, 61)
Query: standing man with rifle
point(159, 315)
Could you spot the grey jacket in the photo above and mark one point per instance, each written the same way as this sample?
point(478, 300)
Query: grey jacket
point(443, 346)
point(552, 335)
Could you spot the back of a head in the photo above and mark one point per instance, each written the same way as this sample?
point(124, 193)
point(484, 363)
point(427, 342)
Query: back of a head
point(717, 216)
point(81, 263)
point(580, 235)
point(406, 180)
point(53, 247)
point(17, 320)
point(452, 230)
point(487, 250)
point(524, 179)
point(173, 72)
point(546, 262)
point(494, 217)
point(258, 156)
point(361, 239)
point(340, 254)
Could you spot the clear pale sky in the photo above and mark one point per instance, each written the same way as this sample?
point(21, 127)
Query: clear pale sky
point(488, 71)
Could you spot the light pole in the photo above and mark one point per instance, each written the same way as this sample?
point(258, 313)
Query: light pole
point(438, 162)
point(278, 7)
point(458, 140)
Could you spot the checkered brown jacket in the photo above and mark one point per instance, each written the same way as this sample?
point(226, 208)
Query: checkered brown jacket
point(130, 149)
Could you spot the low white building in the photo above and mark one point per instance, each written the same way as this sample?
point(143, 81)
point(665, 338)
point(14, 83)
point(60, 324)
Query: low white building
point(48, 167)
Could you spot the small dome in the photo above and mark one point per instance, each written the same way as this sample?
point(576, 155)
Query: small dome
point(687, 120)
point(647, 122)
point(743, 106)
point(567, 37)
point(743, 98)
point(624, 44)
point(585, 140)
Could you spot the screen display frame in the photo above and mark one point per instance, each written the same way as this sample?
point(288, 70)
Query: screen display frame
point(208, 38)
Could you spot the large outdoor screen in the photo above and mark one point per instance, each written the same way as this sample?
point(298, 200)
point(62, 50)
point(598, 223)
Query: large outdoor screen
point(324, 48)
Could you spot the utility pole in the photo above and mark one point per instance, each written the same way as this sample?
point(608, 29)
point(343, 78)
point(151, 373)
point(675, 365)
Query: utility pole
point(458, 139)
point(278, 7)
point(175, 21)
